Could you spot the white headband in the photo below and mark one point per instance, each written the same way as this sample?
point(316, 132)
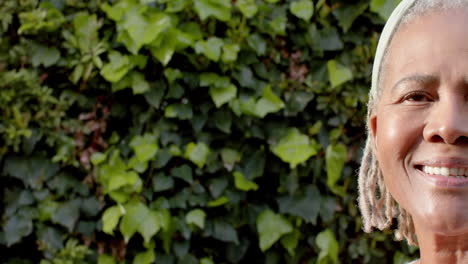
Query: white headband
point(384, 41)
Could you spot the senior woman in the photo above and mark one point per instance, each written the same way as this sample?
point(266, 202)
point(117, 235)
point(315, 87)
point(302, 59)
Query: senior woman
point(415, 163)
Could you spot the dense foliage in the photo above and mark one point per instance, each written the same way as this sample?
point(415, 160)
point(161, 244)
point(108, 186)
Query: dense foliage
point(186, 131)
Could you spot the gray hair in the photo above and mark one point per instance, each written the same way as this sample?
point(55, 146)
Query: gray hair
point(378, 208)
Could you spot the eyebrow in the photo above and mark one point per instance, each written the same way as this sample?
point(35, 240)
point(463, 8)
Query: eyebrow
point(420, 78)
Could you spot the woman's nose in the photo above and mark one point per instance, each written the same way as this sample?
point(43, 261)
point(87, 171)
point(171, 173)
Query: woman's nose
point(448, 122)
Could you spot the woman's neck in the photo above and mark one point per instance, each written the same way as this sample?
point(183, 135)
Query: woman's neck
point(437, 248)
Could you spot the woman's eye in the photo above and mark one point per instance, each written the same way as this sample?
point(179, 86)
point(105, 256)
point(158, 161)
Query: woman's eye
point(417, 97)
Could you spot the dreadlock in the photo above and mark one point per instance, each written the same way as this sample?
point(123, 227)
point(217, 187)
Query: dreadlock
point(378, 207)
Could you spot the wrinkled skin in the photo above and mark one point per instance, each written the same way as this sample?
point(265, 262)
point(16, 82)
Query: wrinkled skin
point(421, 119)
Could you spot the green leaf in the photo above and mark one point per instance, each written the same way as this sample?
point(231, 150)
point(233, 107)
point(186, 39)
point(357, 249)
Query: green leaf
point(295, 148)
point(315, 129)
point(174, 150)
point(121, 179)
point(180, 111)
point(134, 215)
point(162, 182)
point(246, 78)
point(147, 257)
point(196, 217)
point(247, 7)
point(106, 259)
point(150, 225)
point(223, 120)
point(243, 184)
point(197, 153)
point(206, 261)
point(16, 228)
point(172, 74)
point(278, 25)
point(400, 258)
point(217, 186)
point(254, 164)
point(98, 158)
point(220, 96)
point(46, 56)
point(296, 102)
point(347, 14)
point(192, 30)
point(139, 61)
point(230, 157)
point(45, 18)
point(116, 11)
point(221, 9)
point(211, 48)
point(90, 206)
point(47, 208)
point(384, 7)
point(218, 202)
point(110, 219)
point(67, 214)
point(290, 241)
point(268, 103)
point(257, 43)
point(164, 50)
point(176, 91)
point(86, 31)
point(183, 172)
point(305, 205)
point(174, 6)
point(144, 29)
point(145, 147)
point(328, 207)
point(230, 52)
point(155, 95)
point(224, 231)
point(214, 80)
point(165, 219)
point(139, 83)
point(335, 158)
point(138, 218)
point(117, 67)
point(328, 245)
point(302, 9)
point(33, 171)
point(338, 74)
point(125, 82)
point(271, 227)
point(325, 39)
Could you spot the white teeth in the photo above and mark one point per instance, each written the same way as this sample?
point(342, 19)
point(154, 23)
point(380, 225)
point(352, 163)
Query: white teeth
point(454, 171)
point(444, 171)
point(430, 170)
point(461, 171)
point(426, 169)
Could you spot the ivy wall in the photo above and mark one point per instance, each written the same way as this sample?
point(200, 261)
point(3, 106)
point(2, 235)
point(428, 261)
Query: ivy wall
point(186, 131)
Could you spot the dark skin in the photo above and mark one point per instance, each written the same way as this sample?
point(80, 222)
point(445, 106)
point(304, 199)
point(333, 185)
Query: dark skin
point(421, 121)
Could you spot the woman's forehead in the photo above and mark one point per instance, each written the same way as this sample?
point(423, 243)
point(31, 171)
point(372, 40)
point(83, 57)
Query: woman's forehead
point(432, 44)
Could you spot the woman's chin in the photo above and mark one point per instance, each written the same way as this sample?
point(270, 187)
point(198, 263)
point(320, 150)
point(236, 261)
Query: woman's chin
point(444, 222)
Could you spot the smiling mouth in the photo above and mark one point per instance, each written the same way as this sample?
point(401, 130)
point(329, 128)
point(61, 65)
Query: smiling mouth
point(461, 173)
point(448, 175)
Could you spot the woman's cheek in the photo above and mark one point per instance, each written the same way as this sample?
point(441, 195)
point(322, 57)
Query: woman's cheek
point(398, 135)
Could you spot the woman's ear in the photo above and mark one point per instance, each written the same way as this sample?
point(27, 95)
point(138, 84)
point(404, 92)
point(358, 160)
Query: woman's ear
point(373, 128)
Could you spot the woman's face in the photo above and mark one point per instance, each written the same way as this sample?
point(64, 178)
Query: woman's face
point(420, 125)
